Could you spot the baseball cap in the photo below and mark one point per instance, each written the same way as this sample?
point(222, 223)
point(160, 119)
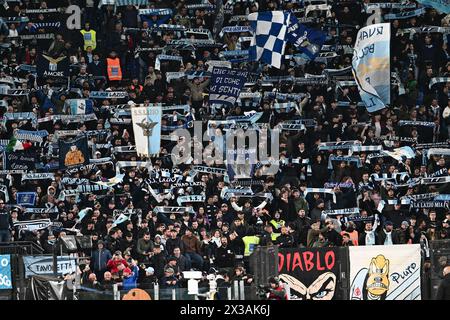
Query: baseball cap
point(169, 270)
point(127, 270)
point(388, 223)
point(150, 270)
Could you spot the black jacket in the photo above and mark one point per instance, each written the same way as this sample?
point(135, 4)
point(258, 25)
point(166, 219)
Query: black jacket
point(333, 237)
point(443, 292)
point(302, 225)
point(5, 220)
point(158, 262)
point(285, 241)
point(224, 257)
point(171, 244)
point(400, 236)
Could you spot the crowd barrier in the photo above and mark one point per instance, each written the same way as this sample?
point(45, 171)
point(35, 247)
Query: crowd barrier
point(396, 272)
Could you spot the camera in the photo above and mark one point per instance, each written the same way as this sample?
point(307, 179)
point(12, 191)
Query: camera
point(262, 290)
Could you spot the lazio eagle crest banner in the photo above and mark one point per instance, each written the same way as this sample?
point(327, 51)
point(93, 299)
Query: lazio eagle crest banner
point(371, 65)
point(52, 67)
point(147, 129)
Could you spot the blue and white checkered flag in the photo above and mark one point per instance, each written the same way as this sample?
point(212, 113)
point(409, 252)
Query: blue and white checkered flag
point(269, 39)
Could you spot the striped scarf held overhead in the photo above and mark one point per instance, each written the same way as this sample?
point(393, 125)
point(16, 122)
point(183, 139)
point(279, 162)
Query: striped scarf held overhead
point(405, 14)
point(284, 96)
point(438, 151)
point(33, 136)
point(33, 225)
point(39, 176)
point(416, 123)
point(287, 106)
point(121, 3)
point(138, 164)
point(366, 148)
point(41, 25)
point(338, 212)
point(439, 173)
point(435, 180)
point(350, 159)
point(82, 189)
point(320, 190)
point(436, 80)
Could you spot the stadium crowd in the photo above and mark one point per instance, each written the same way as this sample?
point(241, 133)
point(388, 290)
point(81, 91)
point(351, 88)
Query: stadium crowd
point(137, 245)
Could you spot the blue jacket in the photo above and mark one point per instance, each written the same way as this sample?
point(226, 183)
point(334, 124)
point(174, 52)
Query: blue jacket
point(130, 282)
point(100, 258)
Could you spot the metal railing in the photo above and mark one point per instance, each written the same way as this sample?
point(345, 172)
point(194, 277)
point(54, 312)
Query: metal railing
point(20, 247)
point(237, 291)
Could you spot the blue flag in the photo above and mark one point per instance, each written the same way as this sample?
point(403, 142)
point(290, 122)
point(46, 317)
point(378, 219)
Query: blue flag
point(26, 198)
point(226, 84)
point(440, 5)
point(269, 40)
point(47, 104)
point(81, 106)
point(371, 65)
point(307, 40)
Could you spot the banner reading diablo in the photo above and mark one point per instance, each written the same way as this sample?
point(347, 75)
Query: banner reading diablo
point(312, 274)
point(385, 272)
point(371, 65)
point(226, 84)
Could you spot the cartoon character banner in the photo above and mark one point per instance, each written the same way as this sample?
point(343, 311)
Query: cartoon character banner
point(73, 153)
point(385, 272)
point(312, 274)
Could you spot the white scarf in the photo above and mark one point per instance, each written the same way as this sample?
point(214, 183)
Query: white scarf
point(388, 240)
point(370, 238)
point(216, 240)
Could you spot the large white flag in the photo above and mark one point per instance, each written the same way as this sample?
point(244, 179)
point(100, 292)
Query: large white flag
point(371, 65)
point(147, 129)
point(389, 272)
